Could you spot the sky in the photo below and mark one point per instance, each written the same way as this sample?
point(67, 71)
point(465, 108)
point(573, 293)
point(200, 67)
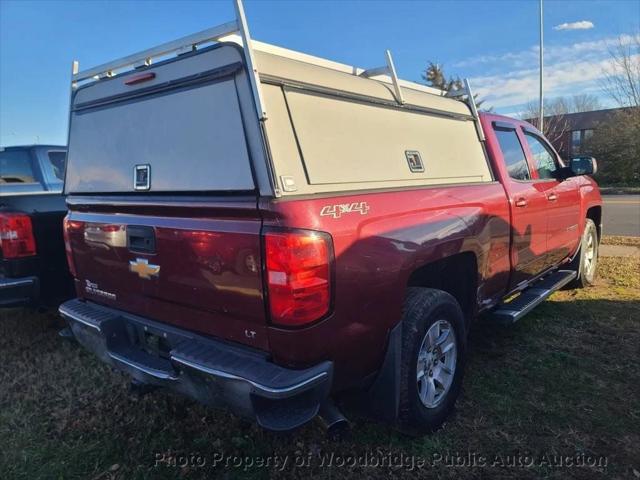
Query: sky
point(492, 42)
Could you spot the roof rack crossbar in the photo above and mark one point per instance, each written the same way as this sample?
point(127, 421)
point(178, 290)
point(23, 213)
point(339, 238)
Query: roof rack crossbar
point(184, 45)
point(466, 91)
point(210, 34)
point(388, 69)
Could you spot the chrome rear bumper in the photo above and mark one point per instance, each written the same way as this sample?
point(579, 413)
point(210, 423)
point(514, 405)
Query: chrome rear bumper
point(210, 371)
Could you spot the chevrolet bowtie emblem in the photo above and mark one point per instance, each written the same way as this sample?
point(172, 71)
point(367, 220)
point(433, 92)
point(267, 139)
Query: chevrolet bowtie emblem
point(143, 269)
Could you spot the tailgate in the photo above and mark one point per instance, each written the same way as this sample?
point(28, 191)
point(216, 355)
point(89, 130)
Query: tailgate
point(195, 266)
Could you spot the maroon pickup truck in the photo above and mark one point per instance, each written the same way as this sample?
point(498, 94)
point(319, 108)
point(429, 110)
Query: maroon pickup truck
point(266, 230)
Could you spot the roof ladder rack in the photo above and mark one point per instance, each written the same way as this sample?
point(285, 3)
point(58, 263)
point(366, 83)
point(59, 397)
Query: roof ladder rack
point(182, 45)
point(388, 69)
point(471, 101)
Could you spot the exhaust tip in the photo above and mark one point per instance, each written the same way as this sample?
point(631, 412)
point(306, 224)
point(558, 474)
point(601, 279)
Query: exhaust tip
point(336, 425)
point(66, 333)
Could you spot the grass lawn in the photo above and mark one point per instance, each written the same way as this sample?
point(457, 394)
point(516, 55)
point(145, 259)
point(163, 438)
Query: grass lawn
point(563, 382)
point(619, 240)
point(620, 190)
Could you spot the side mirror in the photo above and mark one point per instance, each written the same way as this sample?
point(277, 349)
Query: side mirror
point(583, 166)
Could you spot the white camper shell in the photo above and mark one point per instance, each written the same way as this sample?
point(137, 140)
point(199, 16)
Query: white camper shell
point(217, 112)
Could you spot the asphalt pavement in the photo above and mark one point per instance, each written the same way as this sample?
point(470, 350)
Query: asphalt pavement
point(621, 215)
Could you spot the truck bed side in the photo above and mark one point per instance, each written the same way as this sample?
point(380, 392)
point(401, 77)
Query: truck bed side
point(381, 239)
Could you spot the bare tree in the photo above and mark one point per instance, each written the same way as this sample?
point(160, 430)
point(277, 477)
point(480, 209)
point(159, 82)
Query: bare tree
point(622, 77)
point(556, 125)
point(584, 102)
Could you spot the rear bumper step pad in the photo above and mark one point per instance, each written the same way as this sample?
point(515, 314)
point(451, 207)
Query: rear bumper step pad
point(210, 371)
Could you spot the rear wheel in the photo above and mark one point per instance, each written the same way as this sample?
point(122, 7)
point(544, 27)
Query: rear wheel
point(586, 262)
point(433, 354)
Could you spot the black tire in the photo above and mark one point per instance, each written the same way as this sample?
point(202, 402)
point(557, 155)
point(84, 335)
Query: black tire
point(585, 276)
point(423, 307)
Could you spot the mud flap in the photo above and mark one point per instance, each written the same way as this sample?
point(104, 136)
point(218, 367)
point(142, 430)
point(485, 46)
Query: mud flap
point(384, 393)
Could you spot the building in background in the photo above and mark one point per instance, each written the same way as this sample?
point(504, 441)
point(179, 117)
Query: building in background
point(570, 131)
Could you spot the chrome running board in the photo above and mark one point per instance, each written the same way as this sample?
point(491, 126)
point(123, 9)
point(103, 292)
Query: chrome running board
point(531, 297)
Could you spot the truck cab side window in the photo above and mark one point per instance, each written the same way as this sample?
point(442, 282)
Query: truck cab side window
point(57, 160)
point(16, 167)
point(513, 154)
point(543, 159)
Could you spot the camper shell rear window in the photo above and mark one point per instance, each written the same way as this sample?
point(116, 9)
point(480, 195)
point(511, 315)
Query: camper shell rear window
point(185, 124)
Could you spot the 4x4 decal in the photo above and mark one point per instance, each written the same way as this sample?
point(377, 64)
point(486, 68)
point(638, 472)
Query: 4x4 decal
point(336, 211)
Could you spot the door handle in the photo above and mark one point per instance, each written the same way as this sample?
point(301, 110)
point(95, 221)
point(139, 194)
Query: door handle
point(552, 197)
point(521, 202)
point(141, 239)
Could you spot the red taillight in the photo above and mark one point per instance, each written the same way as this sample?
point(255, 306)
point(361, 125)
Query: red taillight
point(108, 228)
point(16, 235)
point(144, 77)
point(68, 226)
point(298, 275)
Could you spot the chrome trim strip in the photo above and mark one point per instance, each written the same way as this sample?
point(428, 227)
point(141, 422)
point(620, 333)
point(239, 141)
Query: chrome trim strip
point(259, 386)
point(26, 194)
point(15, 283)
point(155, 201)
